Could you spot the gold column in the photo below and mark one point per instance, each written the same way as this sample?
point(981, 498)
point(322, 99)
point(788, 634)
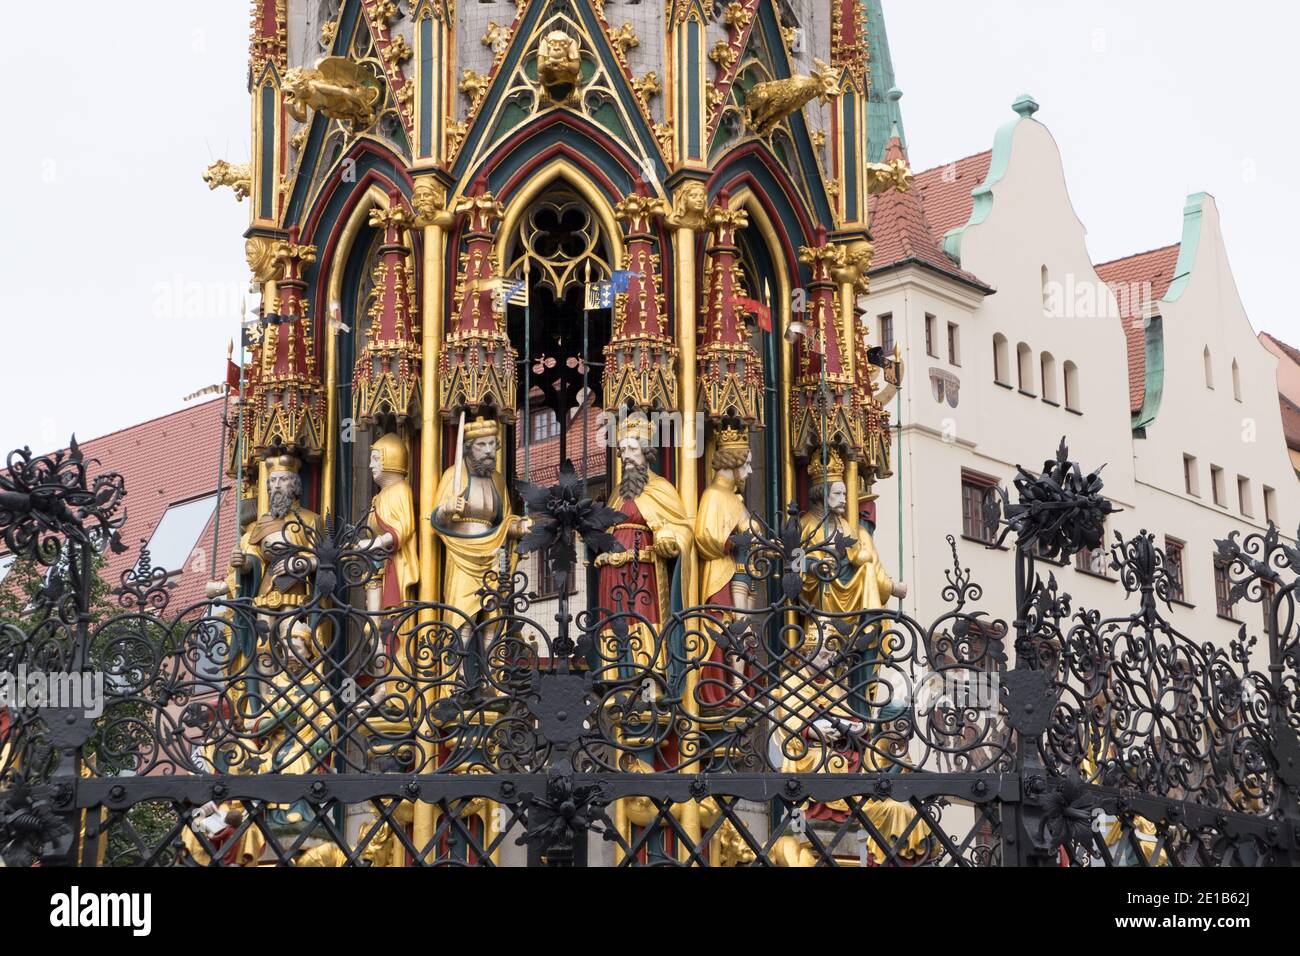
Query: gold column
point(687, 218)
point(846, 277)
point(429, 200)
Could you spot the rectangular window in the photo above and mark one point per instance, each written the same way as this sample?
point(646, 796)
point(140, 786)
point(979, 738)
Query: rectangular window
point(1093, 560)
point(1222, 589)
point(1191, 482)
point(974, 490)
point(545, 425)
point(930, 348)
point(1216, 484)
point(954, 344)
point(547, 585)
point(887, 333)
point(1243, 497)
point(1174, 568)
point(178, 532)
point(1270, 504)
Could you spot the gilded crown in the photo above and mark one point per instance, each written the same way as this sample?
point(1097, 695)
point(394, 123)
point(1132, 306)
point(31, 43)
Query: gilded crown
point(832, 469)
point(481, 428)
point(733, 438)
point(638, 427)
point(282, 463)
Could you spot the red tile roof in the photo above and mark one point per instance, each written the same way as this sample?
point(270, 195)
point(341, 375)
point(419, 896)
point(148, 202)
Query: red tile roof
point(946, 191)
point(1291, 351)
point(166, 461)
point(1139, 281)
point(901, 230)
point(544, 456)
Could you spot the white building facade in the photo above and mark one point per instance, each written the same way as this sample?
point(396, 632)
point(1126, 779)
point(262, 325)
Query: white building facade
point(1013, 338)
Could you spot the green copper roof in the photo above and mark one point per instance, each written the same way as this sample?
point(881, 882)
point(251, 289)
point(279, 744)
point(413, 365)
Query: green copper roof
point(882, 101)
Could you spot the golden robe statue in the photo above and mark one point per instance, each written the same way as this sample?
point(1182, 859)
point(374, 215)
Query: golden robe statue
point(393, 514)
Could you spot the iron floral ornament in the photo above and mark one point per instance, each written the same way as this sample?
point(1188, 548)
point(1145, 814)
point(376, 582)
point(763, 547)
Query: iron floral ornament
point(1061, 510)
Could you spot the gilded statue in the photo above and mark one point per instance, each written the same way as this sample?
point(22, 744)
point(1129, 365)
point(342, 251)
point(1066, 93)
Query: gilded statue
point(559, 65)
point(392, 525)
point(723, 533)
point(472, 517)
point(882, 177)
point(338, 87)
point(270, 563)
point(766, 104)
point(690, 206)
point(653, 576)
point(861, 583)
point(238, 176)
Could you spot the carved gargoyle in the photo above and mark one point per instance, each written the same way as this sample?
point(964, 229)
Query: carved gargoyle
point(238, 176)
point(559, 65)
point(766, 104)
point(337, 87)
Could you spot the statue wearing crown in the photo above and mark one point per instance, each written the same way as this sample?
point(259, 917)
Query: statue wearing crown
point(861, 583)
point(473, 519)
point(653, 576)
point(271, 562)
point(723, 532)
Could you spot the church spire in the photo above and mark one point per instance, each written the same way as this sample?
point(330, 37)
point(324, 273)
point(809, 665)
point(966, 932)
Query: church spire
point(883, 113)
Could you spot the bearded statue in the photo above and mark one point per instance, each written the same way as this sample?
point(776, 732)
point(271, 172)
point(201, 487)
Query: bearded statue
point(652, 577)
point(473, 519)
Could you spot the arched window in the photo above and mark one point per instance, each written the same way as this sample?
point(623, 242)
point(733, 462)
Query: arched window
point(1072, 387)
point(1209, 369)
point(1236, 381)
point(1001, 360)
point(1025, 368)
point(1047, 369)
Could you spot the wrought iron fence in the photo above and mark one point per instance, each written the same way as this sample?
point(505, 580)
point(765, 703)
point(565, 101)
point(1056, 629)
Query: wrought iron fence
point(235, 732)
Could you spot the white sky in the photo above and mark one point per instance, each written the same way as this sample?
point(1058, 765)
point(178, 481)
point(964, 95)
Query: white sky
point(122, 273)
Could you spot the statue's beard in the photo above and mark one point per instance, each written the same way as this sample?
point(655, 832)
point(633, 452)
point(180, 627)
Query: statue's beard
point(482, 467)
point(635, 478)
point(280, 503)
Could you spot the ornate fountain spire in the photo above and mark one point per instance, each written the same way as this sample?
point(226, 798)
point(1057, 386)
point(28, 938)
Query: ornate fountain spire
point(386, 379)
point(476, 370)
point(823, 408)
point(640, 370)
point(731, 372)
point(285, 390)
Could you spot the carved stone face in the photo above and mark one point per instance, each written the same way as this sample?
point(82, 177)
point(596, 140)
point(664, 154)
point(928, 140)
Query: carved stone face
point(282, 491)
point(481, 455)
point(837, 498)
point(376, 464)
point(745, 470)
point(631, 452)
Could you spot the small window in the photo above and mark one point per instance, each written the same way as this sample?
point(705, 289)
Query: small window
point(1001, 364)
point(1236, 381)
point(954, 344)
point(1174, 568)
point(1209, 369)
point(6, 562)
point(1270, 505)
point(930, 348)
point(544, 424)
point(887, 333)
point(975, 489)
point(1191, 481)
point(1093, 560)
point(1047, 370)
point(1072, 387)
point(1025, 368)
point(547, 585)
point(1047, 290)
point(1216, 485)
point(1222, 589)
point(174, 538)
point(1243, 497)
